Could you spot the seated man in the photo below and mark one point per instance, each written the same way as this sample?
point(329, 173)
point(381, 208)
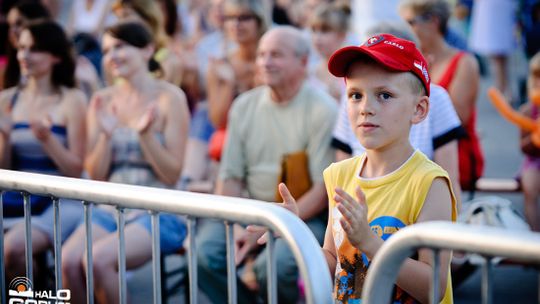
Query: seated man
point(283, 116)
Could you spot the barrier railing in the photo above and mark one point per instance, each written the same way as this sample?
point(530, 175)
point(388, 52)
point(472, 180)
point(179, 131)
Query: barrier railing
point(486, 241)
point(305, 248)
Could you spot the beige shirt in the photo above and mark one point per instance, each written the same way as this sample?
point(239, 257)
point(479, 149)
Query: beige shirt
point(261, 131)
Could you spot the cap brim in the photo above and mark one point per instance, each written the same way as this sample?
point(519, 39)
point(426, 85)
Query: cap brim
point(339, 63)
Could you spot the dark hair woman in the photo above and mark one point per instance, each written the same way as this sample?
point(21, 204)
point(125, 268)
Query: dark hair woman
point(42, 131)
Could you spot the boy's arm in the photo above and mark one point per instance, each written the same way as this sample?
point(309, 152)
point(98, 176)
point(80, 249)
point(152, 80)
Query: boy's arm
point(437, 206)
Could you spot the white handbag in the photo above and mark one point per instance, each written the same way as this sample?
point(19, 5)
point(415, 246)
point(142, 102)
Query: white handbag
point(491, 211)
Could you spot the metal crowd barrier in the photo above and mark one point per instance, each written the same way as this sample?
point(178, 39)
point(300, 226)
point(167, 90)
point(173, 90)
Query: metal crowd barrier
point(487, 241)
point(306, 250)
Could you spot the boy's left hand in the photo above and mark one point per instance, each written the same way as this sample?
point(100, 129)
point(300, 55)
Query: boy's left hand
point(354, 220)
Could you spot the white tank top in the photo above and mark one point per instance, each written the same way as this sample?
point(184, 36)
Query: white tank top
point(89, 21)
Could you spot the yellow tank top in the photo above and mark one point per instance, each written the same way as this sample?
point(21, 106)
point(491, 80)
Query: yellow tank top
point(394, 201)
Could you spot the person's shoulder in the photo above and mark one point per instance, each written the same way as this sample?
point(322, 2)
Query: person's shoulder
point(7, 94)
point(172, 99)
point(423, 166)
point(441, 106)
point(170, 91)
point(468, 63)
point(246, 104)
point(73, 95)
point(439, 99)
point(437, 91)
point(73, 104)
point(6, 97)
point(74, 101)
point(255, 92)
point(250, 98)
point(345, 167)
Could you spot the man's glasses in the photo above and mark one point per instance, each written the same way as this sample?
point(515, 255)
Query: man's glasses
point(239, 18)
point(418, 19)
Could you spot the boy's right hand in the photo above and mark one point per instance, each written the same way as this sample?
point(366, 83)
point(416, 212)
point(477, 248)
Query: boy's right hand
point(289, 203)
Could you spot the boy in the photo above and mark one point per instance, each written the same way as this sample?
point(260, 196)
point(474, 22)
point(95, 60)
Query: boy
point(393, 185)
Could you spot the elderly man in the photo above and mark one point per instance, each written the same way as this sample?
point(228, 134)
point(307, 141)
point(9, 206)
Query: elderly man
point(283, 116)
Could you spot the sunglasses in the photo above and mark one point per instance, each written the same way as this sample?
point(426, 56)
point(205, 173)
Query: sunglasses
point(418, 19)
point(239, 18)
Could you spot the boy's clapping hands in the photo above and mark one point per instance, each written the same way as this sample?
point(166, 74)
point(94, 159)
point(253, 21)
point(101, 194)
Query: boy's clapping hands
point(354, 221)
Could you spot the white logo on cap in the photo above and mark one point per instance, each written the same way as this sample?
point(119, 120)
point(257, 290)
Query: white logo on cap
point(374, 40)
point(422, 69)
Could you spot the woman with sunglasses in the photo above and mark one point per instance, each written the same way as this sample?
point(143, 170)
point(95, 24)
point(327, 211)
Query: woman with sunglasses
point(244, 24)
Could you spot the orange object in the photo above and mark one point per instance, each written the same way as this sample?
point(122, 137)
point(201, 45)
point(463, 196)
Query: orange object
point(523, 122)
point(216, 143)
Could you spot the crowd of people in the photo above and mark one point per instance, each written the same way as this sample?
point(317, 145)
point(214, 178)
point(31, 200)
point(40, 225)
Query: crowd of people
point(374, 101)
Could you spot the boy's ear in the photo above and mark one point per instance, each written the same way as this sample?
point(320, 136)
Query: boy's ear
point(421, 110)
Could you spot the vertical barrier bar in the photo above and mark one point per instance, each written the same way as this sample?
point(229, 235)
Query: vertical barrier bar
point(231, 265)
point(89, 262)
point(28, 236)
point(271, 269)
point(57, 244)
point(2, 270)
point(121, 256)
point(435, 279)
point(486, 281)
point(156, 257)
point(192, 260)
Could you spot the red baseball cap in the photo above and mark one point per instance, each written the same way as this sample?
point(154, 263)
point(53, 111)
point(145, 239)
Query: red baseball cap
point(393, 53)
